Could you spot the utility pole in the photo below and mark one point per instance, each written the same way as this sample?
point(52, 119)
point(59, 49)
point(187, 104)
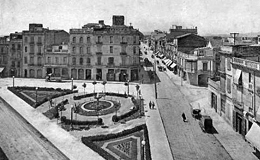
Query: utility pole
point(155, 86)
point(234, 35)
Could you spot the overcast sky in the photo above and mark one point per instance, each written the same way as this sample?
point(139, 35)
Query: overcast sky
point(210, 16)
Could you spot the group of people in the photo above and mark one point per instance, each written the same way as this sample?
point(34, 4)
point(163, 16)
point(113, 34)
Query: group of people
point(151, 105)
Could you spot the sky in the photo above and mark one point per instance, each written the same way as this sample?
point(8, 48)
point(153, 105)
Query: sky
point(210, 16)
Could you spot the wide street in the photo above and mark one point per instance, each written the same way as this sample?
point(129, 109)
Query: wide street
point(18, 136)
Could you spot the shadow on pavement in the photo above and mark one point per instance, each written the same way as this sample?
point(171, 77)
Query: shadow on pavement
point(257, 154)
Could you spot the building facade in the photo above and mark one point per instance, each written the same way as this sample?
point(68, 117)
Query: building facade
point(14, 67)
point(102, 52)
point(4, 50)
point(35, 42)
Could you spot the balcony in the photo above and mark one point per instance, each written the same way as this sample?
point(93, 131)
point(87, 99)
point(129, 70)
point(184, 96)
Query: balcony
point(31, 64)
point(39, 54)
point(39, 64)
point(123, 43)
point(238, 104)
point(31, 43)
point(31, 53)
point(111, 64)
point(100, 43)
point(99, 64)
point(123, 53)
point(88, 64)
point(99, 53)
point(214, 83)
point(39, 43)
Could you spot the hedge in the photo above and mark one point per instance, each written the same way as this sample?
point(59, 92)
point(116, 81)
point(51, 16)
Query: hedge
point(106, 93)
point(127, 114)
point(53, 112)
point(76, 122)
point(16, 91)
point(88, 141)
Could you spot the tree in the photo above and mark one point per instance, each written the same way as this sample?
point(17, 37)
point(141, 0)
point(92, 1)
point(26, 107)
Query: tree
point(104, 83)
point(84, 86)
point(94, 83)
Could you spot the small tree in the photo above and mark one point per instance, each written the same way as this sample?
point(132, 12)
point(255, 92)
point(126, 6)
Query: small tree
point(104, 83)
point(94, 83)
point(84, 86)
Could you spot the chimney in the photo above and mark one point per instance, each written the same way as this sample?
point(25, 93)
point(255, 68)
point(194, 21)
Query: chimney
point(101, 22)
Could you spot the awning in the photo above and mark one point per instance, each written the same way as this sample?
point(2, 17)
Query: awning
point(165, 60)
point(1, 69)
point(237, 75)
point(169, 63)
point(173, 65)
point(253, 135)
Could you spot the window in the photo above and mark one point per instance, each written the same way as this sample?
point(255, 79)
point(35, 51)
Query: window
point(111, 49)
point(228, 85)
point(57, 60)
point(250, 78)
point(223, 108)
point(123, 60)
point(31, 49)
point(88, 39)
point(13, 47)
point(134, 39)
point(240, 80)
point(64, 60)
point(111, 39)
point(110, 60)
point(2, 49)
point(134, 50)
point(40, 39)
point(18, 64)
point(73, 49)
point(88, 61)
point(81, 61)
point(80, 50)
point(39, 49)
point(18, 47)
point(88, 50)
point(31, 60)
point(81, 40)
point(123, 39)
point(73, 61)
point(228, 64)
point(13, 63)
point(39, 60)
point(49, 60)
point(32, 39)
point(99, 38)
point(205, 66)
point(25, 39)
point(99, 60)
point(25, 49)
point(74, 40)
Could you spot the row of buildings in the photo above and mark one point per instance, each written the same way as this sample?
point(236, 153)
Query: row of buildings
point(94, 52)
point(230, 67)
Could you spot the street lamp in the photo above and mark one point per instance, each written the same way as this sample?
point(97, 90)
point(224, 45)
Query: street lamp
point(72, 84)
point(71, 117)
point(13, 81)
point(84, 86)
point(94, 83)
point(36, 95)
point(143, 147)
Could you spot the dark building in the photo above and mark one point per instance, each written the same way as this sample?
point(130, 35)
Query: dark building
point(4, 49)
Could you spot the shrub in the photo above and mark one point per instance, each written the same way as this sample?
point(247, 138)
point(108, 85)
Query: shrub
point(63, 119)
point(114, 118)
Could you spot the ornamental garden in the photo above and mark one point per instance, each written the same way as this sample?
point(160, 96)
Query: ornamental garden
point(81, 113)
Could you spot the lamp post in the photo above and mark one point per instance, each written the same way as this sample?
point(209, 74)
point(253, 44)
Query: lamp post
point(13, 81)
point(71, 117)
point(143, 147)
point(36, 95)
point(94, 83)
point(128, 87)
point(84, 86)
point(72, 84)
point(155, 86)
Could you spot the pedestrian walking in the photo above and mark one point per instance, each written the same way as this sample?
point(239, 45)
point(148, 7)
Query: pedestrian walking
point(150, 104)
point(183, 117)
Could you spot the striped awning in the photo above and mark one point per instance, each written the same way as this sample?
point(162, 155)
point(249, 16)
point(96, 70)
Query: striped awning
point(169, 63)
point(1, 69)
point(173, 65)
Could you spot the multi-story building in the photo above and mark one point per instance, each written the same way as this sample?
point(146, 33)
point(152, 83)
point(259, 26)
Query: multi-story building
point(198, 66)
point(4, 48)
point(57, 60)
point(14, 67)
point(35, 41)
point(103, 52)
point(229, 95)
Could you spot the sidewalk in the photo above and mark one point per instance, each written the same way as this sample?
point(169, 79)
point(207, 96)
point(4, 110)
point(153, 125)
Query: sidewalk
point(60, 138)
point(159, 144)
point(233, 142)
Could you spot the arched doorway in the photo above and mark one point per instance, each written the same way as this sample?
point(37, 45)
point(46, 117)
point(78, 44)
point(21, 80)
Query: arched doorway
point(32, 74)
point(25, 73)
point(81, 73)
point(74, 73)
point(39, 73)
